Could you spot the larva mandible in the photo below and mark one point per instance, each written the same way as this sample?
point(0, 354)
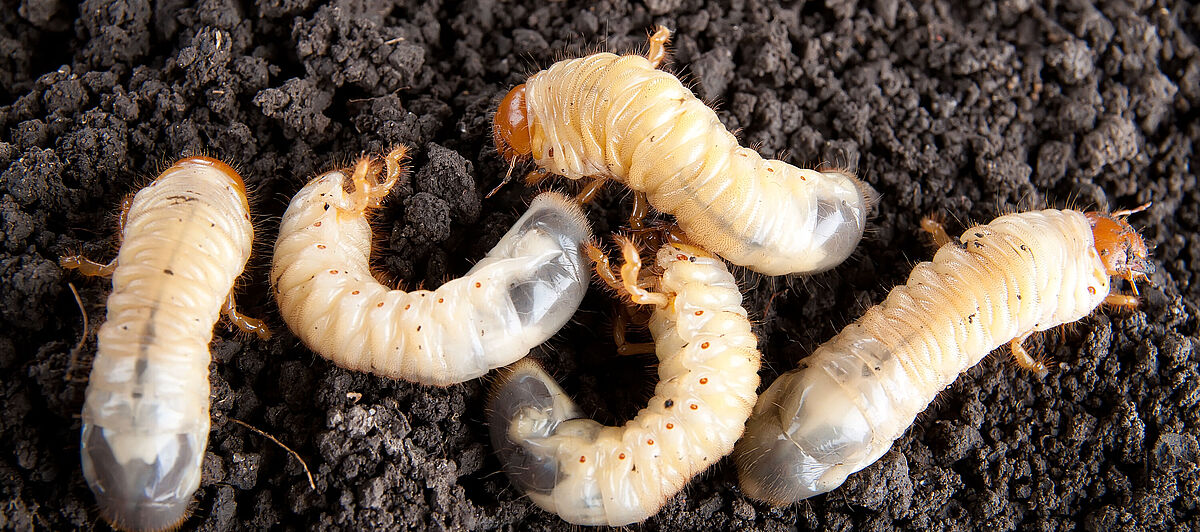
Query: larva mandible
point(591, 474)
point(845, 404)
point(619, 117)
point(518, 296)
point(185, 238)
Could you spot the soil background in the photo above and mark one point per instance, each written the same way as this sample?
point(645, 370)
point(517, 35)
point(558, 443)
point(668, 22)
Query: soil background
point(969, 110)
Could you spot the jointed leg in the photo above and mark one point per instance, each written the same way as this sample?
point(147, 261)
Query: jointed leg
point(87, 267)
point(368, 192)
point(936, 231)
point(658, 46)
point(641, 207)
point(630, 271)
point(590, 190)
point(536, 176)
point(1023, 358)
point(620, 324)
point(1124, 301)
point(603, 267)
point(244, 322)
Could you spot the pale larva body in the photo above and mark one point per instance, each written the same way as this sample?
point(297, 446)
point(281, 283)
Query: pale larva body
point(842, 408)
point(518, 296)
point(619, 117)
point(186, 238)
point(592, 474)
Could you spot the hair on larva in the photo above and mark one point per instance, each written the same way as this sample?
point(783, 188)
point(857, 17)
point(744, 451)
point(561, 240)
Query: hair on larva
point(186, 238)
point(842, 408)
point(592, 474)
point(520, 294)
point(618, 117)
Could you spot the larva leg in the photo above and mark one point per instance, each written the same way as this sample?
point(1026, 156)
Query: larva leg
point(1023, 358)
point(604, 267)
point(641, 208)
point(370, 192)
point(658, 46)
point(630, 271)
point(624, 347)
point(536, 176)
point(243, 321)
point(1124, 301)
point(88, 267)
point(591, 189)
point(936, 230)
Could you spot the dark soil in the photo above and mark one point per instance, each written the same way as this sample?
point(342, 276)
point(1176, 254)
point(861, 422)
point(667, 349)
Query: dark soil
point(966, 111)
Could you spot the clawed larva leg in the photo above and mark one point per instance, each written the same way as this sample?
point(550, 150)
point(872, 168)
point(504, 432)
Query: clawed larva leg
point(536, 176)
point(243, 321)
point(88, 267)
point(1023, 358)
point(1124, 301)
point(590, 190)
point(625, 347)
point(641, 208)
point(631, 270)
point(658, 46)
point(126, 203)
point(369, 191)
point(936, 230)
point(603, 267)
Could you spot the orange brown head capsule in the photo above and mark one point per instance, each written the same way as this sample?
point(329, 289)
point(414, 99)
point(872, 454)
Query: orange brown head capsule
point(510, 127)
point(1121, 248)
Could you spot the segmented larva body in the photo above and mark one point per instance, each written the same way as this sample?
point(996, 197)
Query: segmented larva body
point(592, 474)
point(619, 117)
point(842, 408)
point(186, 238)
point(522, 293)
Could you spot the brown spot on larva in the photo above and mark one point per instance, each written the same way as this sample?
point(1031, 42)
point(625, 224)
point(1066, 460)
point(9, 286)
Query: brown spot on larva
point(1092, 290)
point(380, 304)
point(769, 169)
point(354, 293)
point(168, 272)
point(552, 152)
point(704, 345)
point(441, 300)
point(582, 459)
point(694, 407)
point(318, 224)
point(699, 312)
point(478, 285)
point(333, 272)
point(680, 256)
point(326, 206)
point(621, 456)
point(320, 246)
point(418, 328)
point(670, 426)
point(669, 403)
point(704, 380)
point(649, 442)
point(408, 306)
